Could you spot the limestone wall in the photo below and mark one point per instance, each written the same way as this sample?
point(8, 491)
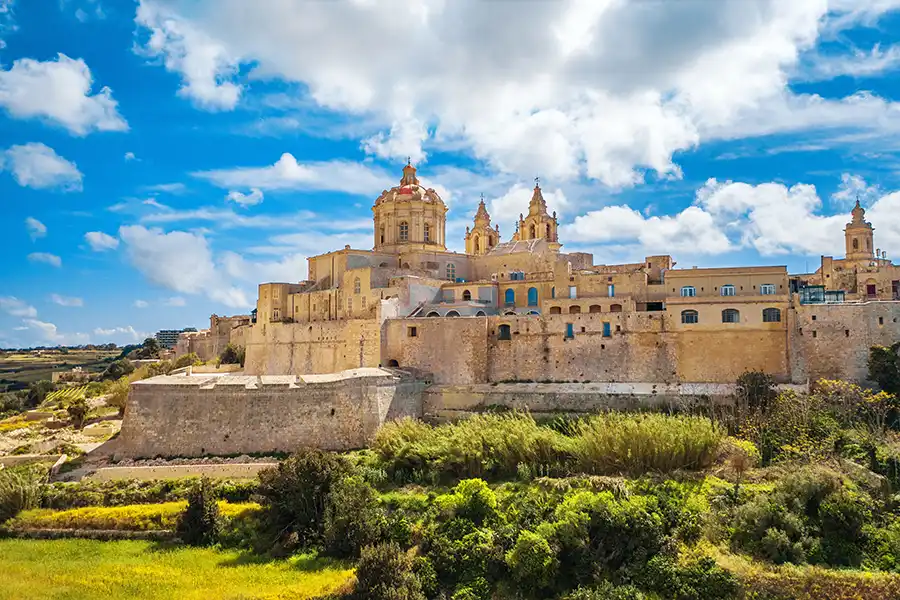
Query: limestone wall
point(200, 415)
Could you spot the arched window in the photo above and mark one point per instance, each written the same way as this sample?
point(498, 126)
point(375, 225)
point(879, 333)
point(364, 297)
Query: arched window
point(356, 285)
point(727, 290)
point(574, 310)
point(384, 264)
point(533, 312)
point(427, 233)
point(555, 310)
point(467, 295)
point(480, 313)
point(731, 315)
point(404, 231)
point(553, 292)
point(381, 233)
point(393, 363)
point(503, 333)
point(532, 296)
point(689, 317)
point(595, 308)
point(509, 297)
point(433, 314)
point(405, 266)
point(771, 315)
point(452, 313)
point(451, 271)
point(475, 248)
point(688, 291)
point(548, 231)
point(615, 308)
point(855, 244)
point(532, 236)
point(767, 289)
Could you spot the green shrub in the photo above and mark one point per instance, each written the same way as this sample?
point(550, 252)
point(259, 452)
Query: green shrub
point(78, 410)
point(843, 516)
point(532, 562)
point(385, 572)
point(186, 360)
point(118, 369)
point(232, 355)
point(118, 394)
point(353, 518)
point(700, 579)
point(200, 524)
point(295, 493)
point(756, 390)
point(61, 496)
point(606, 591)
point(20, 489)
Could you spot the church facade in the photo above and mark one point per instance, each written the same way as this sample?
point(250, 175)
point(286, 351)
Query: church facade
point(524, 310)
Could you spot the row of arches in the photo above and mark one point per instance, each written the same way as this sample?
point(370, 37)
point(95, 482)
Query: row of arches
point(731, 315)
point(593, 308)
point(403, 232)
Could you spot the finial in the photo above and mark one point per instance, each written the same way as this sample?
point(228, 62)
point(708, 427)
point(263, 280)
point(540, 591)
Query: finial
point(537, 182)
point(408, 161)
point(482, 196)
point(857, 201)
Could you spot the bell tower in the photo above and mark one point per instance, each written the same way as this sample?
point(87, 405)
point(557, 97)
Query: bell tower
point(482, 237)
point(538, 224)
point(859, 236)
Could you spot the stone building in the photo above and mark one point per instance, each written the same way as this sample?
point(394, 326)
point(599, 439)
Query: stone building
point(523, 310)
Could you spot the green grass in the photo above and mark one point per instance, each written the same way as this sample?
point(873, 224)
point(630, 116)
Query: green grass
point(88, 570)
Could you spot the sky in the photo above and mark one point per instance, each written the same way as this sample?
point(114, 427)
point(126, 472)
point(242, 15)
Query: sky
point(159, 159)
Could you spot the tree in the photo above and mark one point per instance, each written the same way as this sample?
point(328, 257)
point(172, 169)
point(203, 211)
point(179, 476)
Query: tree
point(78, 410)
point(200, 523)
point(37, 392)
point(385, 572)
point(186, 360)
point(756, 390)
point(232, 355)
point(884, 367)
point(118, 394)
point(149, 349)
point(118, 369)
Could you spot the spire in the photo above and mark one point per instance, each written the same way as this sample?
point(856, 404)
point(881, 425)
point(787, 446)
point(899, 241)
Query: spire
point(482, 214)
point(409, 174)
point(858, 213)
point(537, 206)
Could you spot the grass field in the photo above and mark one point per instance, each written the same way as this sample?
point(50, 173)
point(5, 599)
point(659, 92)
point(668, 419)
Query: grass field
point(18, 370)
point(88, 570)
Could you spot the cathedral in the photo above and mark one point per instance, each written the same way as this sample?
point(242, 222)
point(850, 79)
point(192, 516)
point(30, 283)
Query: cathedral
point(524, 310)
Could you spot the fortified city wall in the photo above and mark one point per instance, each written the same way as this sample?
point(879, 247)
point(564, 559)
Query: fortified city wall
point(196, 415)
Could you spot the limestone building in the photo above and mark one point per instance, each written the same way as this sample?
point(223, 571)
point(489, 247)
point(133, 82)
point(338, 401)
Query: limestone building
point(524, 310)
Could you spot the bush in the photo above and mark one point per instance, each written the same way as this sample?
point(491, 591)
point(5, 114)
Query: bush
point(353, 518)
point(884, 367)
point(118, 369)
point(756, 390)
point(62, 496)
point(20, 489)
point(78, 410)
point(37, 392)
point(698, 579)
point(385, 572)
point(232, 355)
point(606, 591)
point(186, 360)
point(532, 562)
point(200, 524)
point(294, 494)
point(118, 394)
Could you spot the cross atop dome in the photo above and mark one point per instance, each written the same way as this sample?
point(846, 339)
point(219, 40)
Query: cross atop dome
point(409, 174)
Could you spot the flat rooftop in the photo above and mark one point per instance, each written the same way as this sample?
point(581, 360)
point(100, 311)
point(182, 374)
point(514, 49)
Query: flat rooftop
point(208, 380)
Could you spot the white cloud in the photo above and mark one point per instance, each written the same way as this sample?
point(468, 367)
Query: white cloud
point(100, 242)
point(515, 201)
point(175, 301)
point(292, 268)
point(167, 188)
point(179, 261)
point(45, 257)
point(858, 64)
point(118, 334)
point(48, 332)
point(38, 166)
point(254, 197)
point(288, 174)
point(66, 300)
point(17, 308)
point(854, 187)
point(141, 304)
point(204, 64)
point(36, 229)
point(607, 89)
point(130, 156)
point(59, 91)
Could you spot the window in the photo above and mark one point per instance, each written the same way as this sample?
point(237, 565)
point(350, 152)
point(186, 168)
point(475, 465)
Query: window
point(276, 315)
point(553, 292)
point(611, 290)
point(532, 236)
point(573, 292)
point(575, 310)
point(356, 285)
point(480, 313)
point(532, 296)
point(771, 315)
point(607, 330)
point(509, 297)
point(427, 233)
point(475, 246)
point(727, 290)
point(615, 308)
point(548, 231)
point(503, 333)
point(381, 233)
point(767, 289)
point(411, 332)
point(688, 291)
point(404, 231)
point(855, 244)
point(467, 295)
point(595, 308)
point(349, 303)
point(570, 331)
point(690, 317)
point(433, 314)
point(452, 313)
point(451, 271)
point(555, 310)
point(731, 315)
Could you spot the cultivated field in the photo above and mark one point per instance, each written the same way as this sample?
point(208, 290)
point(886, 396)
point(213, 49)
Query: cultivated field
point(18, 370)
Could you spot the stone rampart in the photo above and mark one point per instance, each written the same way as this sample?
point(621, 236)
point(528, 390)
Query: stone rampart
point(197, 415)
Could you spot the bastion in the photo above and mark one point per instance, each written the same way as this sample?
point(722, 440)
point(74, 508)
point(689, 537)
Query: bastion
point(189, 414)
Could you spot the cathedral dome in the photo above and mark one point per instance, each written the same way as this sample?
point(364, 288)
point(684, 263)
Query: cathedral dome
point(409, 190)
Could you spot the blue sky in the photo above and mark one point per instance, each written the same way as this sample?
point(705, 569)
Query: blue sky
point(159, 159)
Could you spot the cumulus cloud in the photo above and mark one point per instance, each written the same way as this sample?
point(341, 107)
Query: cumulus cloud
point(141, 304)
point(48, 333)
point(45, 257)
point(100, 242)
point(16, 308)
point(858, 63)
point(167, 188)
point(175, 301)
point(180, 261)
point(39, 166)
point(36, 229)
point(254, 197)
point(288, 174)
point(854, 187)
point(610, 90)
point(291, 268)
point(517, 198)
point(66, 300)
point(118, 334)
point(59, 91)
point(130, 156)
